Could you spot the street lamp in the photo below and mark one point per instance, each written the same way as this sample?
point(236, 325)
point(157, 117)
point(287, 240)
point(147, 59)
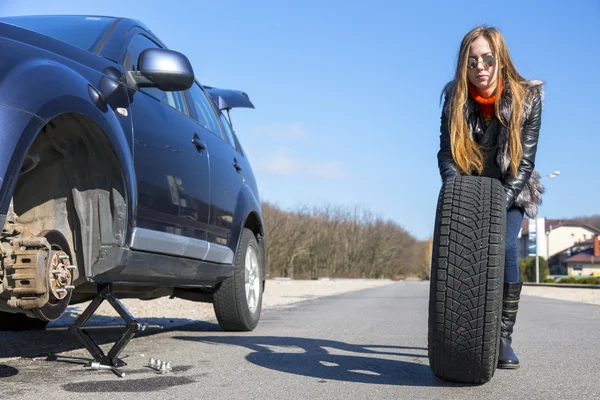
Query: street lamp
point(537, 237)
point(548, 242)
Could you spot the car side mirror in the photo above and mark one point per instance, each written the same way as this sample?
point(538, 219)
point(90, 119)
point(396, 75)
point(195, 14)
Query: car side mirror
point(164, 69)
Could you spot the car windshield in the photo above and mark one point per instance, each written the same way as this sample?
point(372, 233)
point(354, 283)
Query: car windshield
point(81, 31)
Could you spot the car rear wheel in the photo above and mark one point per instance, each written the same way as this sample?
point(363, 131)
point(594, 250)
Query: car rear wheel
point(238, 300)
point(467, 274)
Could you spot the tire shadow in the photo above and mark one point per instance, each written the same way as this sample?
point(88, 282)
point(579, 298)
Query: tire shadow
point(375, 364)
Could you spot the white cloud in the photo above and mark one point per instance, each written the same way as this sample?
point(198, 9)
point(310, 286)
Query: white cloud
point(293, 131)
point(280, 163)
point(326, 169)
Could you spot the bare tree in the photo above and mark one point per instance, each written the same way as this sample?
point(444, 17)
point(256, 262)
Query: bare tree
point(337, 242)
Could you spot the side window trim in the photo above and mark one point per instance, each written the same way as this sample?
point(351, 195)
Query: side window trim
point(189, 101)
point(233, 143)
point(218, 114)
point(238, 146)
point(197, 117)
point(227, 130)
point(211, 105)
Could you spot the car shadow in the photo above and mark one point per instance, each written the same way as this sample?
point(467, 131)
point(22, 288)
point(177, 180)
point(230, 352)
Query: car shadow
point(373, 364)
point(365, 363)
point(57, 338)
point(6, 371)
point(51, 344)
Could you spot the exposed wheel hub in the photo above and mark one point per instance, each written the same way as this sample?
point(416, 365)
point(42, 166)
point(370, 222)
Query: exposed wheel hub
point(60, 274)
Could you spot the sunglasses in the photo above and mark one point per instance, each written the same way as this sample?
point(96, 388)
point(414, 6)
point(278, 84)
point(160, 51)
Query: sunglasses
point(488, 62)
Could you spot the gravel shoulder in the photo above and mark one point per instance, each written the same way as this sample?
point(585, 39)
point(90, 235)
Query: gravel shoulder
point(170, 312)
point(278, 293)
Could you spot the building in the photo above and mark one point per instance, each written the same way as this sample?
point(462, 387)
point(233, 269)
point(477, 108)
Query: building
point(585, 262)
point(555, 240)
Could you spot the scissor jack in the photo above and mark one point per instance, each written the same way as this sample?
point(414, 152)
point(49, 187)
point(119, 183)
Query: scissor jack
point(110, 360)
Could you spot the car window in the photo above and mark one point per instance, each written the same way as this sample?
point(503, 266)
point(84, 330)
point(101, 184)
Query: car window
point(227, 129)
point(238, 146)
point(137, 45)
point(203, 112)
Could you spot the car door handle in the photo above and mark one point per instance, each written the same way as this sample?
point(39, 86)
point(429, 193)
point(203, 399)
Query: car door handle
point(236, 165)
point(199, 145)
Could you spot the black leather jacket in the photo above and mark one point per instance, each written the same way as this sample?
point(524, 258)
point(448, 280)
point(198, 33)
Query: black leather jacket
point(513, 185)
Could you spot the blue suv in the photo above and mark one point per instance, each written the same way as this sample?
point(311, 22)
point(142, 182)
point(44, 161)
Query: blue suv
point(117, 167)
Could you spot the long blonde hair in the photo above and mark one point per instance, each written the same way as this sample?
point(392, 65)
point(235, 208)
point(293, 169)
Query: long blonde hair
point(466, 153)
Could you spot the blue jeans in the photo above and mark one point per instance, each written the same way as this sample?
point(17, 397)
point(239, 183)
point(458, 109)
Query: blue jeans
point(514, 219)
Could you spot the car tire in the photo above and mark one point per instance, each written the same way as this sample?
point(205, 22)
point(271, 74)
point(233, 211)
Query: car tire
point(238, 300)
point(20, 322)
point(467, 275)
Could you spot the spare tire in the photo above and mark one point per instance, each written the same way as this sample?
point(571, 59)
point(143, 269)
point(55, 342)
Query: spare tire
point(467, 275)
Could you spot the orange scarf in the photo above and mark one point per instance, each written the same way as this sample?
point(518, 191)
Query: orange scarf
point(486, 104)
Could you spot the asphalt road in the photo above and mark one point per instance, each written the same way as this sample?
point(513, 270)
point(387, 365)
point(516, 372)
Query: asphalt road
point(370, 344)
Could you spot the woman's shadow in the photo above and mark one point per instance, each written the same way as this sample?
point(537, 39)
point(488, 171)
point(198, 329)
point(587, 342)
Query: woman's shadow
point(375, 364)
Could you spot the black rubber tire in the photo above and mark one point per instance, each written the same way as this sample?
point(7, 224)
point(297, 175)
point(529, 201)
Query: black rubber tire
point(467, 275)
point(20, 322)
point(229, 300)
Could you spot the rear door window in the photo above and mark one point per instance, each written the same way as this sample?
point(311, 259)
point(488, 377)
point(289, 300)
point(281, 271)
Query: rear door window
point(202, 111)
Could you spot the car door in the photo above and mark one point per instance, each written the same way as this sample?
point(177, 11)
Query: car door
point(172, 170)
point(225, 178)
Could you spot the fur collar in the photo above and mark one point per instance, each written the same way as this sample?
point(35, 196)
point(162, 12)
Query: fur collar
point(531, 195)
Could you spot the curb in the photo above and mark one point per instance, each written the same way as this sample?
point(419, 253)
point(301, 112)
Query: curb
point(563, 285)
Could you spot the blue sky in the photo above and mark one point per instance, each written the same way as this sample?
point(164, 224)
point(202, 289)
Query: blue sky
point(347, 92)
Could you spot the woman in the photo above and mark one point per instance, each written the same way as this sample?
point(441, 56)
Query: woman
point(490, 125)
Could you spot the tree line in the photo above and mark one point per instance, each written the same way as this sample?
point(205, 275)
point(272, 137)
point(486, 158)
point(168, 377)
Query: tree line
point(348, 242)
point(340, 242)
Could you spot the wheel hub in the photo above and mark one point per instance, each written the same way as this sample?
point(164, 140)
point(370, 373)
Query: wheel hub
point(252, 279)
point(60, 276)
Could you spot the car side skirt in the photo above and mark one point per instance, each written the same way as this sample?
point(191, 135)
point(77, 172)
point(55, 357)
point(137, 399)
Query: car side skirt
point(143, 268)
point(180, 246)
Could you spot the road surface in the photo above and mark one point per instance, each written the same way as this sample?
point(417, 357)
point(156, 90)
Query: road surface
point(368, 344)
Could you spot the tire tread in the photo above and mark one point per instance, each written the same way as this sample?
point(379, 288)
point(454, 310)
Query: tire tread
point(466, 279)
point(229, 300)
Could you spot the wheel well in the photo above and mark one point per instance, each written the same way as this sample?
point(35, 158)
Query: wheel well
point(75, 180)
point(253, 223)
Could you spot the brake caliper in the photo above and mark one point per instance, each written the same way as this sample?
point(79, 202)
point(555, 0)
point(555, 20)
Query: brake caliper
point(34, 273)
point(25, 268)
